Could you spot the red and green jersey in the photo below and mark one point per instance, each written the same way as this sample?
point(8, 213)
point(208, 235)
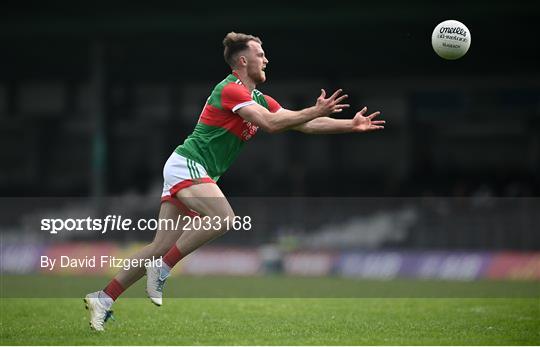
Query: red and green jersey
point(220, 133)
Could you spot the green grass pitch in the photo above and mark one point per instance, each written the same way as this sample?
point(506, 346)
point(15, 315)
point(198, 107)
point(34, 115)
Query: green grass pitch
point(324, 312)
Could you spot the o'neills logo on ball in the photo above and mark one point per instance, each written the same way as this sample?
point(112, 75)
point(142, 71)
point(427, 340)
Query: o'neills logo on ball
point(451, 39)
point(453, 30)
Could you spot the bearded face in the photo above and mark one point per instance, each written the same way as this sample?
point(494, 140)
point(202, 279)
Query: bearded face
point(256, 62)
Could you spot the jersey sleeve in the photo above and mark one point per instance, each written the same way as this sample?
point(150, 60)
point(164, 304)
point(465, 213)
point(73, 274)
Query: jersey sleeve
point(273, 105)
point(234, 97)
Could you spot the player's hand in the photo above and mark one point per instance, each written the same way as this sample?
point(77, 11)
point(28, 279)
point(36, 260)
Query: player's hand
point(362, 123)
point(330, 105)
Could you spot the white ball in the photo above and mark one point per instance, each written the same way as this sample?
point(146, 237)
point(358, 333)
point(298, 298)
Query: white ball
point(451, 39)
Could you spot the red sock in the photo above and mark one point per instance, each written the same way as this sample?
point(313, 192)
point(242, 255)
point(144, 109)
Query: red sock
point(172, 257)
point(114, 289)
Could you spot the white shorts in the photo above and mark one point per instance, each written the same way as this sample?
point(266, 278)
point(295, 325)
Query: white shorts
point(179, 173)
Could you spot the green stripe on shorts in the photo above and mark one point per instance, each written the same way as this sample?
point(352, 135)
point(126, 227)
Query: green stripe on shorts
point(197, 170)
point(191, 175)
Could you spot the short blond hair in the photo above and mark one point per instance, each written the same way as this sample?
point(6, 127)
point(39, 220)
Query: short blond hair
point(234, 43)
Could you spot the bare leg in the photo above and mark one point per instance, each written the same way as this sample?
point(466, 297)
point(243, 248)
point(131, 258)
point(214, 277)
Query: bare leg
point(163, 240)
point(208, 200)
point(100, 302)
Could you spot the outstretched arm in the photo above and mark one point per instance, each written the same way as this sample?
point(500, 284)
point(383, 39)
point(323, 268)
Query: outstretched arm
point(287, 119)
point(327, 125)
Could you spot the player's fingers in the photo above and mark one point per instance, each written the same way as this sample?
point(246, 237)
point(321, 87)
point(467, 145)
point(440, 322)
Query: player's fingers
point(323, 93)
point(363, 111)
point(342, 106)
point(341, 98)
point(378, 122)
point(376, 127)
point(336, 93)
point(374, 114)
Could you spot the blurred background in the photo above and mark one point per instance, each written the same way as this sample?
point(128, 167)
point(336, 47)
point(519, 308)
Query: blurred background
point(94, 98)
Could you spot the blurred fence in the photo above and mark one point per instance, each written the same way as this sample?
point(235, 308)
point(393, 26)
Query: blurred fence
point(445, 238)
point(444, 265)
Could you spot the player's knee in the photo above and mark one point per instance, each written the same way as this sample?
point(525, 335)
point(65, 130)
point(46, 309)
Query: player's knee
point(227, 220)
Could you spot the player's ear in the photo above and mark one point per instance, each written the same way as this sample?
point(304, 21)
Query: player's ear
point(242, 60)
